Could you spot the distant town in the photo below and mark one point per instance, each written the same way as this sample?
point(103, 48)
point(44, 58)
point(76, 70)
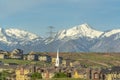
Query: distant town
point(14, 65)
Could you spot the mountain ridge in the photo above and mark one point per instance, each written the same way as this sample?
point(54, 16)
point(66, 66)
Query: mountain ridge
point(80, 38)
point(80, 31)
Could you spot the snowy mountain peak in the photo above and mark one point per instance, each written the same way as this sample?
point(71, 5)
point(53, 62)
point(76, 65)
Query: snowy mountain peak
point(20, 34)
point(80, 38)
point(83, 30)
point(112, 32)
point(14, 36)
point(84, 26)
point(81, 27)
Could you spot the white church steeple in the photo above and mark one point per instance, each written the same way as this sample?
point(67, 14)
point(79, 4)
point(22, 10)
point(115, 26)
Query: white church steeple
point(57, 59)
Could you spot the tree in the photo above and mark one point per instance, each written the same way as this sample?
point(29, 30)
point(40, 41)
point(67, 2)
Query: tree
point(36, 75)
point(3, 75)
point(60, 75)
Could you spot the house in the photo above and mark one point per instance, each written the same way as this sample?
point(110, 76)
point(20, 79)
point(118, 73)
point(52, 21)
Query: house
point(16, 54)
point(54, 60)
point(111, 73)
point(48, 73)
point(67, 63)
point(93, 73)
point(4, 52)
point(96, 74)
point(25, 57)
point(79, 73)
point(24, 72)
point(32, 56)
point(44, 58)
point(3, 56)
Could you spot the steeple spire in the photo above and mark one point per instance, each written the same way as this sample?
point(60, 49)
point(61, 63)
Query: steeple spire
point(57, 59)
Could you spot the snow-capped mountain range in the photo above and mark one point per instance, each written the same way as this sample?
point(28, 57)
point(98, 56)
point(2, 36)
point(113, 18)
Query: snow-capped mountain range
point(11, 36)
point(81, 38)
point(80, 31)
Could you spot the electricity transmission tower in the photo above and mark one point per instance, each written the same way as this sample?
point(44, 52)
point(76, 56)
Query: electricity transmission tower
point(51, 32)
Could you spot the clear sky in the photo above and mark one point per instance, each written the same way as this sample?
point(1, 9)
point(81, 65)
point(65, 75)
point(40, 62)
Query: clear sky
point(36, 15)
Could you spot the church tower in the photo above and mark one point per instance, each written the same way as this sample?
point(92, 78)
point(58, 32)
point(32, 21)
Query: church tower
point(57, 59)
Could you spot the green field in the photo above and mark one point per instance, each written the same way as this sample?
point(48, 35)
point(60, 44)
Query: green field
point(23, 62)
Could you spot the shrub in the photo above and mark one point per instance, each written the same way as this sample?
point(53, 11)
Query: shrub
point(36, 75)
point(60, 75)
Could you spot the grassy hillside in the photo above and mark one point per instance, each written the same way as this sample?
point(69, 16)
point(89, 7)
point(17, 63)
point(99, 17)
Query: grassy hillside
point(87, 59)
point(23, 62)
point(95, 59)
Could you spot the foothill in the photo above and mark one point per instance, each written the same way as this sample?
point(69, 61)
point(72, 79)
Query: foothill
point(14, 65)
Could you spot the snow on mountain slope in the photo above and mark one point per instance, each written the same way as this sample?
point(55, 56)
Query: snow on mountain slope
point(2, 35)
point(13, 36)
point(20, 34)
point(76, 39)
point(83, 30)
point(110, 33)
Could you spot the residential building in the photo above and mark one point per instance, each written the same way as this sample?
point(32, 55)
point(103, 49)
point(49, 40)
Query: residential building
point(24, 72)
point(79, 73)
point(3, 56)
point(93, 73)
point(4, 52)
point(48, 73)
point(16, 54)
point(111, 73)
point(32, 56)
point(54, 60)
point(44, 58)
point(67, 62)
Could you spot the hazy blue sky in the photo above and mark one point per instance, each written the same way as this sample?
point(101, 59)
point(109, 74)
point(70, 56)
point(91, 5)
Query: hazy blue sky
point(36, 15)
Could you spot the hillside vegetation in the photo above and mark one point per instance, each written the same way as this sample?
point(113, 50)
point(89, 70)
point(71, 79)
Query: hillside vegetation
point(87, 59)
point(95, 59)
